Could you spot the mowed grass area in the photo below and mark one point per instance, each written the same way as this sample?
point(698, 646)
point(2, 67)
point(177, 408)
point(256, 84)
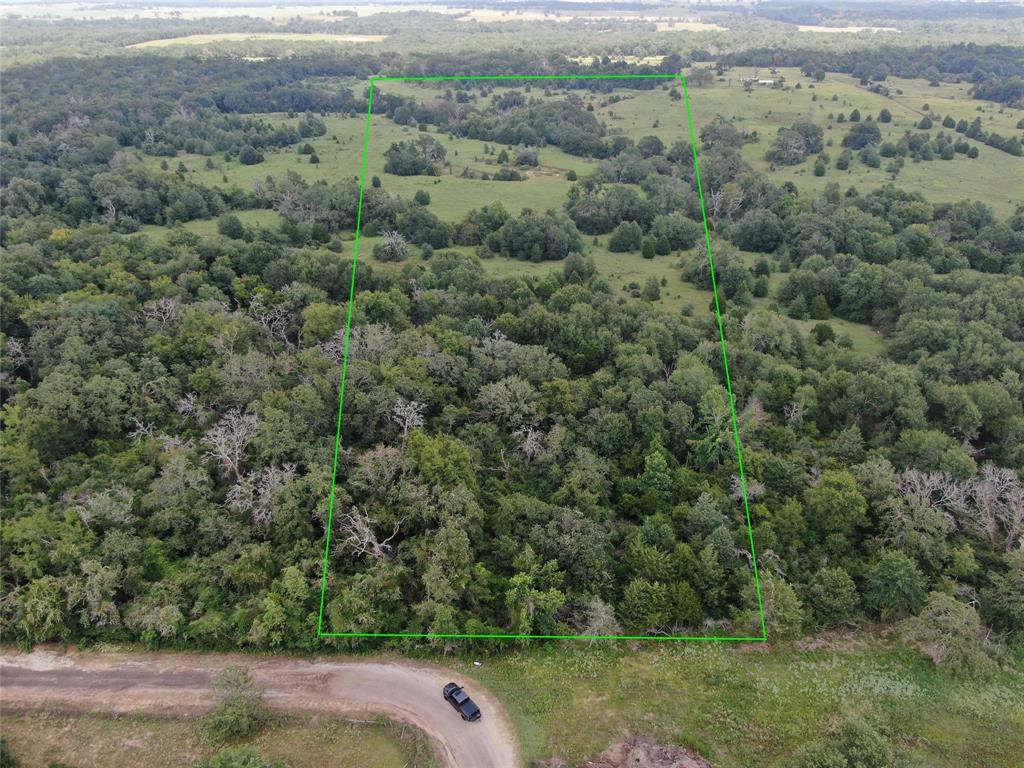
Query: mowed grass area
point(340, 154)
point(235, 37)
point(208, 227)
point(97, 741)
point(745, 706)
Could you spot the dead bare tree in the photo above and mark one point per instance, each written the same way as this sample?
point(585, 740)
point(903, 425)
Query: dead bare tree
point(794, 413)
point(357, 535)
point(754, 488)
point(163, 312)
point(141, 431)
point(408, 414)
point(273, 321)
point(997, 511)
point(531, 442)
point(254, 493)
point(229, 438)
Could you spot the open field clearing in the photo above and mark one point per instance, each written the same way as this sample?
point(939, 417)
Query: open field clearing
point(842, 30)
point(234, 37)
point(690, 26)
point(276, 13)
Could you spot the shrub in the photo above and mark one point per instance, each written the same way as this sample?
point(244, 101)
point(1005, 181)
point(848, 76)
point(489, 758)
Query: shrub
point(651, 292)
point(231, 226)
point(250, 156)
point(393, 247)
point(239, 711)
point(853, 744)
point(238, 757)
point(950, 633)
point(822, 332)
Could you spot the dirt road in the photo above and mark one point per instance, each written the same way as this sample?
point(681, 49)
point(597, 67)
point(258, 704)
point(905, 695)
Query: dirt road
point(170, 683)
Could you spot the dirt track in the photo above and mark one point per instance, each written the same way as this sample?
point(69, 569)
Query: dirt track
point(170, 683)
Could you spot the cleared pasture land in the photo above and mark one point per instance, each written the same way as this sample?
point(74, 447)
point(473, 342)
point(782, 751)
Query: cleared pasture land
point(994, 177)
point(234, 37)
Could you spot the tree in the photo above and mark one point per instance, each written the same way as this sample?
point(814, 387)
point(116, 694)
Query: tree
point(680, 232)
point(646, 607)
point(783, 611)
point(626, 237)
point(893, 586)
point(231, 226)
point(229, 439)
point(950, 633)
point(885, 116)
point(423, 156)
point(422, 197)
point(239, 711)
point(925, 123)
point(819, 309)
point(648, 248)
point(822, 333)
point(855, 116)
point(862, 135)
point(42, 610)
point(536, 237)
point(392, 247)
point(250, 156)
point(835, 505)
point(759, 230)
point(600, 621)
point(651, 290)
point(833, 597)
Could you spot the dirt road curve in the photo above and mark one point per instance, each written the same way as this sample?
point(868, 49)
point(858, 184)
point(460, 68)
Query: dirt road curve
point(168, 683)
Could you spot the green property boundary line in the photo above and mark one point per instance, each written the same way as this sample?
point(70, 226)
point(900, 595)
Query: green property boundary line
point(721, 337)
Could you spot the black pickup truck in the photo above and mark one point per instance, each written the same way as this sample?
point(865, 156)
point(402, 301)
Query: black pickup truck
point(459, 699)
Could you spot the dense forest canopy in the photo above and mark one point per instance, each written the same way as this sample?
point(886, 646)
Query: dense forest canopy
point(526, 454)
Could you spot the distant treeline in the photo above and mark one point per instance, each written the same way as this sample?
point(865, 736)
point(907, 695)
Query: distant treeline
point(42, 96)
point(816, 13)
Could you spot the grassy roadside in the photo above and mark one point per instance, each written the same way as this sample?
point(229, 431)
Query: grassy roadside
point(746, 706)
point(97, 741)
